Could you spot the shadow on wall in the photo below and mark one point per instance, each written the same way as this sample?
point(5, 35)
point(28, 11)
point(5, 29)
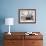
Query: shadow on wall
point(2, 21)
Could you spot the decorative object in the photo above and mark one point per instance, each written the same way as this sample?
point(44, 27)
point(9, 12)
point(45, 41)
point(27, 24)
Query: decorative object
point(27, 15)
point(9, 21)
point(31, 33)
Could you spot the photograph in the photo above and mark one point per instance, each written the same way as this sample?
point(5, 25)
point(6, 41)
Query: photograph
point(27, 15)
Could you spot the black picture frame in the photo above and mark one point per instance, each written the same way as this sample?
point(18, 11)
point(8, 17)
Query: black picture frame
point(27, 15)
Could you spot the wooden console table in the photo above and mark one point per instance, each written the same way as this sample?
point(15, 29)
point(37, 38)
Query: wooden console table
point(20, 39)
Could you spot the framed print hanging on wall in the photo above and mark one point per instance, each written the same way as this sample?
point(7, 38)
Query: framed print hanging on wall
point(27, 15)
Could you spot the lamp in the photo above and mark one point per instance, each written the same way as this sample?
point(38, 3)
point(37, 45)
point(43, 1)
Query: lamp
point(9, 21)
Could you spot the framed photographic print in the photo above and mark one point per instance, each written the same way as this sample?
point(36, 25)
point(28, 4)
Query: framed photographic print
point(27, 16)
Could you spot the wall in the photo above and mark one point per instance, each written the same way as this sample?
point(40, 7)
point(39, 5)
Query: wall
point(9, 8)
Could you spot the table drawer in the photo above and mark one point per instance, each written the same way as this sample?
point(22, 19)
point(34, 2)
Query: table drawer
point(33, 43)
point(13, 43)
point(9, 43)
point(16, 37)
point(34, 37)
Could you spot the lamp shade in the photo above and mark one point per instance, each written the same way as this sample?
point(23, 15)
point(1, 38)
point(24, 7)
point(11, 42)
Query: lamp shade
point(9, 21)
